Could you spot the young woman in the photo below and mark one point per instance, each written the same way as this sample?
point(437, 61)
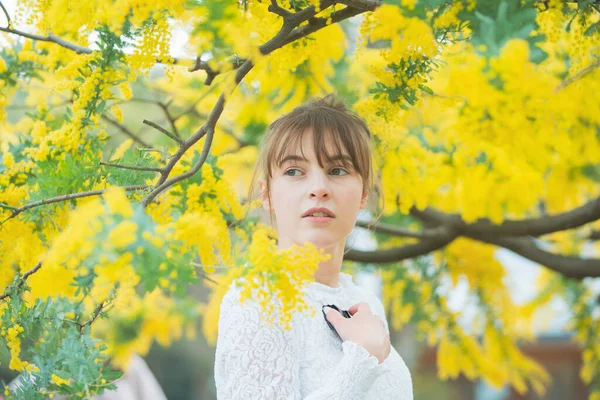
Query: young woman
point(317, 174)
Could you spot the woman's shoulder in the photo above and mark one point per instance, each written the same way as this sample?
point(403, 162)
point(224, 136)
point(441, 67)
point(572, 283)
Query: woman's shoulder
point(367, 295)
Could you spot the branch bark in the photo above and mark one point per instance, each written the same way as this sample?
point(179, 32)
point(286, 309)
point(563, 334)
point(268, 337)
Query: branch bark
point(444, 237)
point(568, 266)
point(124, 129)
point(133, 167)
point(95, 314)
point(66, 197)
point(163, 131)
point(8, 21)
point(395, 231)
point(290, 22)
point(50, 38)
point(577, 76)
point(575, 218)
point(24, 278)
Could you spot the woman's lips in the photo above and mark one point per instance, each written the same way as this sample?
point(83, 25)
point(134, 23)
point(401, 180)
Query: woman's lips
point(319, 220)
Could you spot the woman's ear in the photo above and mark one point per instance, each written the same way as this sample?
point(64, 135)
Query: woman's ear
point(364, 200)
point(264, 196)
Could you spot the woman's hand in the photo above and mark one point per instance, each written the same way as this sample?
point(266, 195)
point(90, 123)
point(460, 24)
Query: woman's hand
point(364, 328)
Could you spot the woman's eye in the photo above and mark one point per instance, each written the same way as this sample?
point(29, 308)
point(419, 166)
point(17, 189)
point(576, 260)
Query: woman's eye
point(292, 170)
point(335, 171)
point(340, 169)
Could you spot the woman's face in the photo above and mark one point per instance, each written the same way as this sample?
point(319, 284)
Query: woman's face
point(301, 184)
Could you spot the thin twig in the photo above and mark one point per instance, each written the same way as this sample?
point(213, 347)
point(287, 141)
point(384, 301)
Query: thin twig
point(66, 197)
point(204, 275)
point(165, 109)
point(7, 16)
point(234, 61)
point(425, 246)
point(241, 142)
point(24, 107)
point(193, 106)
point(64, 43)
point(395, 231)
point(97, 311)
point(284, 36)
point(275, 8)
point(50, 38)
point(6, 206)
point(131, 167)
point(24, 278)
point(161, 152)
point(163, 131)
point(124, 129)
point(577, 76)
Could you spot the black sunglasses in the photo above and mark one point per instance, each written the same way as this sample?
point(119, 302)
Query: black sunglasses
point(344, 313)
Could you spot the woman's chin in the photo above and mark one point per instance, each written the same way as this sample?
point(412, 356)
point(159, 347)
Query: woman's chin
point(324, 242)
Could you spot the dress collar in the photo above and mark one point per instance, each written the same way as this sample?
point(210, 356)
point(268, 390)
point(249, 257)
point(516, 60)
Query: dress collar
point(345, 283)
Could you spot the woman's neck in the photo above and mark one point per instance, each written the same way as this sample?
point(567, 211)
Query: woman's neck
point(328, 272)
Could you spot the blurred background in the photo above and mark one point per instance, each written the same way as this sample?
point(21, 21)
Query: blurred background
point(185, 369)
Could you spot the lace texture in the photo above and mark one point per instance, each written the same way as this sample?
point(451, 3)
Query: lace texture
point(309, 362)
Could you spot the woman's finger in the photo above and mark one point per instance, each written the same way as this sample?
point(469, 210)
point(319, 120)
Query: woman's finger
point(358, 307)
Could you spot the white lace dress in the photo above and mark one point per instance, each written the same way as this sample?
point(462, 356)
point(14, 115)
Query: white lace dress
point(309, 361)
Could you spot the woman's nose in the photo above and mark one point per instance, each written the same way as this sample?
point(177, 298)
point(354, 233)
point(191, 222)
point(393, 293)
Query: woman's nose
point(320, 193)
point(319, 187)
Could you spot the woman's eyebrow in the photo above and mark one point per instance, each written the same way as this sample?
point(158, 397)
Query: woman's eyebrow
point(293, 158)
point(340, 157)
point(332, 159)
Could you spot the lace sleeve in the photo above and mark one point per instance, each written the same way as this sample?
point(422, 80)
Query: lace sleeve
point(255, 361)
point(395, 381)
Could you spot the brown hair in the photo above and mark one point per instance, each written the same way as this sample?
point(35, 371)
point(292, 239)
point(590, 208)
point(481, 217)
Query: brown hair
point(323, 116)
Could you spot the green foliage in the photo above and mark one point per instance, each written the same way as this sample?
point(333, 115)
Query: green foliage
point(407, 69)
point(58, 346)
point(494, 23)
point(16, 69)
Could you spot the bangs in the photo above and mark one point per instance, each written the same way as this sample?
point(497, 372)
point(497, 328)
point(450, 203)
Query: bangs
point(345, 145)
point(338, 136)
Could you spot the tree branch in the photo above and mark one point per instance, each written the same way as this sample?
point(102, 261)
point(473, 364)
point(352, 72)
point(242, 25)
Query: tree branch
point(192, 107)
point(170, 118)
point(395, 231)
point(50, 38)
point(512, 235)
point(66, 197)
point(516, 236)
point(124, 129)
point(280, 39)
point(577, 76)
point(444, 237)
point(164, 131)
point(211, 74)
point(95, 314)
point(133, 167)
point(319, 23)
point(53, 38)
point(8, 21)
point(569, 266)
point(7, 207)
point(577, 217)
point(229, 131)
point(363, 5)
point(24, 278)
point(275, 8)
point(355, 7)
